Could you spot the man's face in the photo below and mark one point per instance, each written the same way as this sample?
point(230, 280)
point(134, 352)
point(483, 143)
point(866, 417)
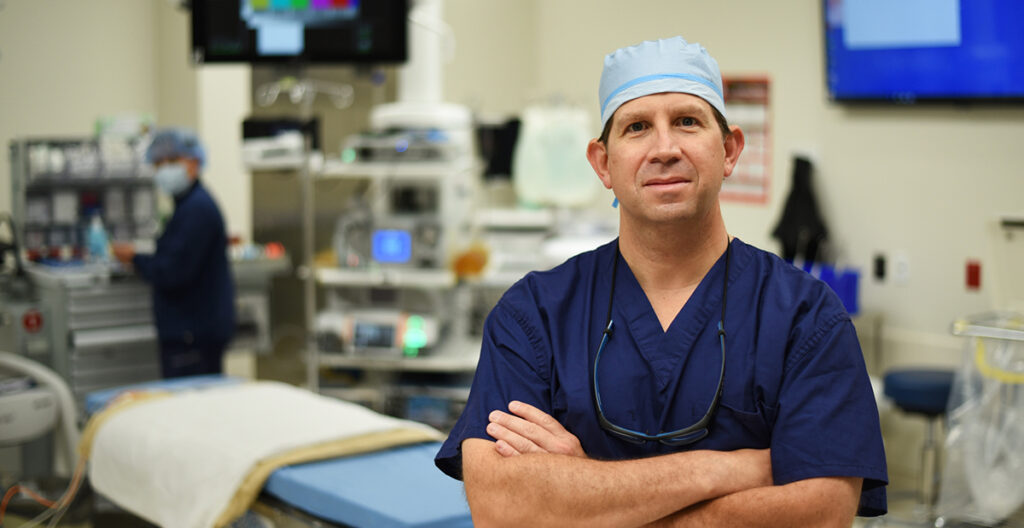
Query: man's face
point(665, 158)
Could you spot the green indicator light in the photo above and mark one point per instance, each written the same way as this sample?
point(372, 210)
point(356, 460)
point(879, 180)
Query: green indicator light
point(415, 336)
point(348, 155)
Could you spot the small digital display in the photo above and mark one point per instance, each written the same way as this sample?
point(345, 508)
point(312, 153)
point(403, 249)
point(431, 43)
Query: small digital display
point(392, 246)
point(374, 335)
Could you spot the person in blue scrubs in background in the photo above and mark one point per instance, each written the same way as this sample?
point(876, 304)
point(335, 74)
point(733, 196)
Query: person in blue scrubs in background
point(676, 376)
point(193, 291)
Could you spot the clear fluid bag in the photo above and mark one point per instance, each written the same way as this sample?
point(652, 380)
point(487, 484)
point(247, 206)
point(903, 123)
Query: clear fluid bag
point(983, 474)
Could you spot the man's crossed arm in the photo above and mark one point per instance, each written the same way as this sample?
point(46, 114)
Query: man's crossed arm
point(536, 474)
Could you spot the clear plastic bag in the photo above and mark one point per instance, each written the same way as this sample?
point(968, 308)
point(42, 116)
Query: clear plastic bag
point(549, 165)
point(983, 474)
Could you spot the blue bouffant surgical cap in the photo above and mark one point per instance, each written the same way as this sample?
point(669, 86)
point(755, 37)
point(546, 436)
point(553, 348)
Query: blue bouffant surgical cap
point(169, 143)
point(659, 66)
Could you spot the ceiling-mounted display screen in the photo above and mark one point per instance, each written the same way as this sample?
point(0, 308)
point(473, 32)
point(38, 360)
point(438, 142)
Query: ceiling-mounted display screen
point(300, 31)
point(910, 51)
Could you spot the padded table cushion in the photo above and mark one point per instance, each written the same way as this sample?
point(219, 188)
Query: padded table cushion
point(399, 487)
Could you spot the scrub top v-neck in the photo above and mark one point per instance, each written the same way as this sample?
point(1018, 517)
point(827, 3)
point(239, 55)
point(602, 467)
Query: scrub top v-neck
point(795, 380)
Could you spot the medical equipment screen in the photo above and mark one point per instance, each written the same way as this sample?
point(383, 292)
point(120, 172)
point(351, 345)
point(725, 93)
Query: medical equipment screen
point(392, 246)
point(300, 31)
point(371, 335)
point(924, 50)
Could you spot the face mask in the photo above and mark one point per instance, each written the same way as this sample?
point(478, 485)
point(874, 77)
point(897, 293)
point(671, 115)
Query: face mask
point(172, 178)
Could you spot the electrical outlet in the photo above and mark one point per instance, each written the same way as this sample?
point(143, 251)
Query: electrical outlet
point(900, 268)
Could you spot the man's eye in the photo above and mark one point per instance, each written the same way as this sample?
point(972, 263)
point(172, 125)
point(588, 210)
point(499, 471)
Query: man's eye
point(635, 127)
point(688, 121)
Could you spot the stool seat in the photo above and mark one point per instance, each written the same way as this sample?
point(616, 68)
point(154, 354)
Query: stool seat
point(923, 391)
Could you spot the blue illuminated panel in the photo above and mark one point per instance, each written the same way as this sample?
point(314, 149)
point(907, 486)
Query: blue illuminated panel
point(392, 246)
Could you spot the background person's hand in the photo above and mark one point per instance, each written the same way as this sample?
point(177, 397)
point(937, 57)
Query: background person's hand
point(123, 251)
point(530, 430)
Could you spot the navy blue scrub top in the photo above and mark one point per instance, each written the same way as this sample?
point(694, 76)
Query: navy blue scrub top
point(193, 291)
point(795, 380)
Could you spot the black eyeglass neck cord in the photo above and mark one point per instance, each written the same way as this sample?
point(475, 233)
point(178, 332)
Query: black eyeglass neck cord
point(679, 437)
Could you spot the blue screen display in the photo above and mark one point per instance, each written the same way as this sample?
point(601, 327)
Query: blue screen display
point(912, 50)
point(392, 246)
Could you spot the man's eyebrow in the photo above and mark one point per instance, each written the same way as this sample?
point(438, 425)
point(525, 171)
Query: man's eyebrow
point(630, 117)
point(689, 108)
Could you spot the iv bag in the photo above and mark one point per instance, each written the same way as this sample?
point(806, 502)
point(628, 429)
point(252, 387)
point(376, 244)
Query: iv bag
point(984, 450)
point(549, 166)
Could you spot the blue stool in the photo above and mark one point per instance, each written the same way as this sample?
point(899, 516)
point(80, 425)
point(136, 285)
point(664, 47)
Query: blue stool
point(924, 392)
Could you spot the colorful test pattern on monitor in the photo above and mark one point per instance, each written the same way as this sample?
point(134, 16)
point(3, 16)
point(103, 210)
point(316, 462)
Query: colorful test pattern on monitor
point(300, 31)
point(299, 5)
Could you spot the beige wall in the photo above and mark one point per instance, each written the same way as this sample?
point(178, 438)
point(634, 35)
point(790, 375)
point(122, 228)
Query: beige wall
point(494, 70)
point(63, 64)
point(222, 103)
point(176, 78)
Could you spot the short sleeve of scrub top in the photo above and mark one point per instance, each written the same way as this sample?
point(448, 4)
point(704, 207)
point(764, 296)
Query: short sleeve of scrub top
point(795, 379)
point(510, 367)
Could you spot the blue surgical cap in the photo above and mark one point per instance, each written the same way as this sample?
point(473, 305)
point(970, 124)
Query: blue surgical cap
point(169, 143)
point(659, 66)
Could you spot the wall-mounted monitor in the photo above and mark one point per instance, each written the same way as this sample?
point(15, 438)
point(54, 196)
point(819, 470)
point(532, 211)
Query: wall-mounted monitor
point(910, 51)
point(300, 31)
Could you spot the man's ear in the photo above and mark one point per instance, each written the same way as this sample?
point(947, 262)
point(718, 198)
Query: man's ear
point(597, 155)
point(733, 147)
point(192, 166)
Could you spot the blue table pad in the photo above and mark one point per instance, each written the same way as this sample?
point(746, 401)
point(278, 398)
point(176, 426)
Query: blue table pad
point(395, 488)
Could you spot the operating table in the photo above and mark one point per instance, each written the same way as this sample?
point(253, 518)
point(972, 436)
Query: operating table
point(396, 487)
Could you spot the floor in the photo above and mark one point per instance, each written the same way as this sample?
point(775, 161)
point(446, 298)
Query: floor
point(105, 516)
point(904, 511)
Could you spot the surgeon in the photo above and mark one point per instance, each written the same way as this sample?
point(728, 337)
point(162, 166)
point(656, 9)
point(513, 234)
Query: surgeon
point(193, 292)
point(676, 376)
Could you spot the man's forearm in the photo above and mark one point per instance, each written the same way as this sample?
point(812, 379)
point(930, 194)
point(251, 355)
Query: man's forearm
point(557, 490)
point(820, 502)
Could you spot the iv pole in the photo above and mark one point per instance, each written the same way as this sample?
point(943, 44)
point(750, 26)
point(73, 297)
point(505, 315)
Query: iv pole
point(307, 272)
point(303, 92)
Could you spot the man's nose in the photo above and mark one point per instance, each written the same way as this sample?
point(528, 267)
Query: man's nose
point(665, 148)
